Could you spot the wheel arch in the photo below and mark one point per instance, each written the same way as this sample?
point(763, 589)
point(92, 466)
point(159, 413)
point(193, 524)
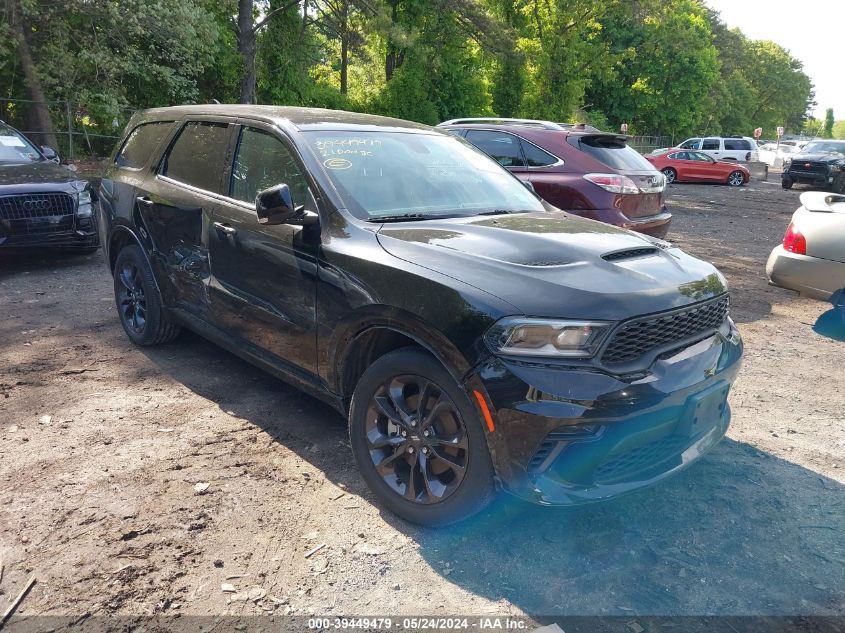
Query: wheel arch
point(120, 237)
point(376, 332)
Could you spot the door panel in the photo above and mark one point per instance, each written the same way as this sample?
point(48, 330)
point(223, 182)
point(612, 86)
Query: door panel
point(176, 207)
point(263, 283)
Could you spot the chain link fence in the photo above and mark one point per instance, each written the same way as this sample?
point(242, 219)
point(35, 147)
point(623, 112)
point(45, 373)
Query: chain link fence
point(79, 132)
point(647, 144)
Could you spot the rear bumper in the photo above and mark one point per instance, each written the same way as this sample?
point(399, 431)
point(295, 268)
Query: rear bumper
point(569, 436)
point(654, 225)
point(811, 276)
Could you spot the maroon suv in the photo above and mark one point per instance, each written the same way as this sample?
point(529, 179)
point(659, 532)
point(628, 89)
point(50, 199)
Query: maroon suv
point(576, 168)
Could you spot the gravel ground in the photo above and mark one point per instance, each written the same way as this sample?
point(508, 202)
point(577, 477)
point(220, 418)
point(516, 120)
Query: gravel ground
point(138, 481)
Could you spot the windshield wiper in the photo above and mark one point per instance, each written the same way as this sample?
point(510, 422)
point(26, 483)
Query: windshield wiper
point(403, 217)
point(503, 211)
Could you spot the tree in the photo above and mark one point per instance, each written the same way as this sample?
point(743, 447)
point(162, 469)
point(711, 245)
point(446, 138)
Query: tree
point(247, 27)
point(829, 122)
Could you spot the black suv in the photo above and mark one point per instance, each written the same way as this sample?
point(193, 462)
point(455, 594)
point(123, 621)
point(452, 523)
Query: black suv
point(41, 202)
point(475, 336)
point(820, 164)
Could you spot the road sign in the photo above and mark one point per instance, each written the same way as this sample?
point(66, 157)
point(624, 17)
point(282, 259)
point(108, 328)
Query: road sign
point(780, 131)
point(758, 132)
point(624, 127)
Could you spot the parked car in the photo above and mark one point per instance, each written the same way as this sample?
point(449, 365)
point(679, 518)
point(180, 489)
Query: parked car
point(473, 335)
point(577, 168)
point(41, 202)
point(689, 166)
point(820, 164)
point(775, 155)
point(738, 148)
point(811, 258)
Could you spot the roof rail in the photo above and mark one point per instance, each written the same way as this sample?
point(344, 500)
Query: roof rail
point(548, 125)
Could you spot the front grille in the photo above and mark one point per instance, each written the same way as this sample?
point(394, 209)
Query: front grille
point(637, 337)
point(811, 167)
point(36, 213)
point(636, 460)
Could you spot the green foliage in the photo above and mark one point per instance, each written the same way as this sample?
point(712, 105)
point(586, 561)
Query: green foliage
point(668, 67)
point(829, 122)
point(839, 130)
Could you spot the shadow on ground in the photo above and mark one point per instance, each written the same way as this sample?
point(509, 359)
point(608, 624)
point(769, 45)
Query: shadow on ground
point(739, 533)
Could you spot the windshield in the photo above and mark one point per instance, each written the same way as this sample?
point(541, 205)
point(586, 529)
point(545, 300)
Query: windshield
point(381, 174)
point(14, 148)
point(613, 152)
point(822, 147)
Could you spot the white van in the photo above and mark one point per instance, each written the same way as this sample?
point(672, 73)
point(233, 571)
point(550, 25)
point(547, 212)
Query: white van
point(740, 148)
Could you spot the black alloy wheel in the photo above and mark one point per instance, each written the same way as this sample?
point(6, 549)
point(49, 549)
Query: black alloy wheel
point(131, 300)
point(417, 439)
point(138, 301)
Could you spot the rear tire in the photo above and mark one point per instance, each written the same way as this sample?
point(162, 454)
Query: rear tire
point(418, 440)
point(736, 179)
point(671, 175)
point(139, 304)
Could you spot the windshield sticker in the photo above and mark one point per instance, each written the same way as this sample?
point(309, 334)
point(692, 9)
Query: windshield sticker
point(347, 147)
point(11, 141)
point(337, 163)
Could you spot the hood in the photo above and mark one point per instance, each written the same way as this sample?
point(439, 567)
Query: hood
point(818, 157)
point(40, 173)
point(557, 265)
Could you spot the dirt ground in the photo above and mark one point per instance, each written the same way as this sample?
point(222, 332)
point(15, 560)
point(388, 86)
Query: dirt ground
point(139, 481)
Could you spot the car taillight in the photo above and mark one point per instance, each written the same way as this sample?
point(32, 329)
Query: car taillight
point(614, 183)
point(794, 242)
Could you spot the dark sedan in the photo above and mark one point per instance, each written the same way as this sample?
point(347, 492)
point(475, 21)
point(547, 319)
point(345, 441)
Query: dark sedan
point(41, 202)
point(473, 335)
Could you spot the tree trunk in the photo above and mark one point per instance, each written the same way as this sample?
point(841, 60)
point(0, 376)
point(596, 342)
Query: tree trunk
point(392, 60)
point(40, 114)
point(246, 47)
point(344, 49)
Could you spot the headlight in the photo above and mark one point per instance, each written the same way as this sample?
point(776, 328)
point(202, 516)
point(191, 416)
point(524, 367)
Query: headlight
point(83, 204)
point(515, 336)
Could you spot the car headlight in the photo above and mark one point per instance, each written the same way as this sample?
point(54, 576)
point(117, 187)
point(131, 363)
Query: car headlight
point(83, 204)
point(517, 336)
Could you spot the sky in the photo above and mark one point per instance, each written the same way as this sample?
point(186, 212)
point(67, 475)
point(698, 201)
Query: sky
point(811, 30)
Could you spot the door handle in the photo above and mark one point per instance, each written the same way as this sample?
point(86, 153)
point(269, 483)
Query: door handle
point(225, 228)
point(145, 201)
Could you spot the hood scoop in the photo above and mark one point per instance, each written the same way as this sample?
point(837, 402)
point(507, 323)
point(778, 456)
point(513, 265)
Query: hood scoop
point(630, 253)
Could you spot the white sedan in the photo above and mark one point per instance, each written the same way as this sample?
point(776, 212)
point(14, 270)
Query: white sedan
point(811, 259)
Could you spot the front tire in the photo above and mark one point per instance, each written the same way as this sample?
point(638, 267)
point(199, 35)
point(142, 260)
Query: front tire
point(786, 183)
point(139, 304)
point(736, 179)
point(418, 440)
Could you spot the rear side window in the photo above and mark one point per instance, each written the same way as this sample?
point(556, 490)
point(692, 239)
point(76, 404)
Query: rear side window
point(197, 156)
point(141, 143)
point(612, 151)
point(500, 146)
point(535, 157)
point(710, 143)
point(737, 144)
point(679, 156)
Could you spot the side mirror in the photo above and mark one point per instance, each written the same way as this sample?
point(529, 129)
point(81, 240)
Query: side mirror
point(49, 153)
point(275, 206)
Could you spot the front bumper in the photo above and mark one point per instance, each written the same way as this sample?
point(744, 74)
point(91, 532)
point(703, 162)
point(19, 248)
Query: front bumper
point(811, 276)
point(570, 435)
point(816, 179)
